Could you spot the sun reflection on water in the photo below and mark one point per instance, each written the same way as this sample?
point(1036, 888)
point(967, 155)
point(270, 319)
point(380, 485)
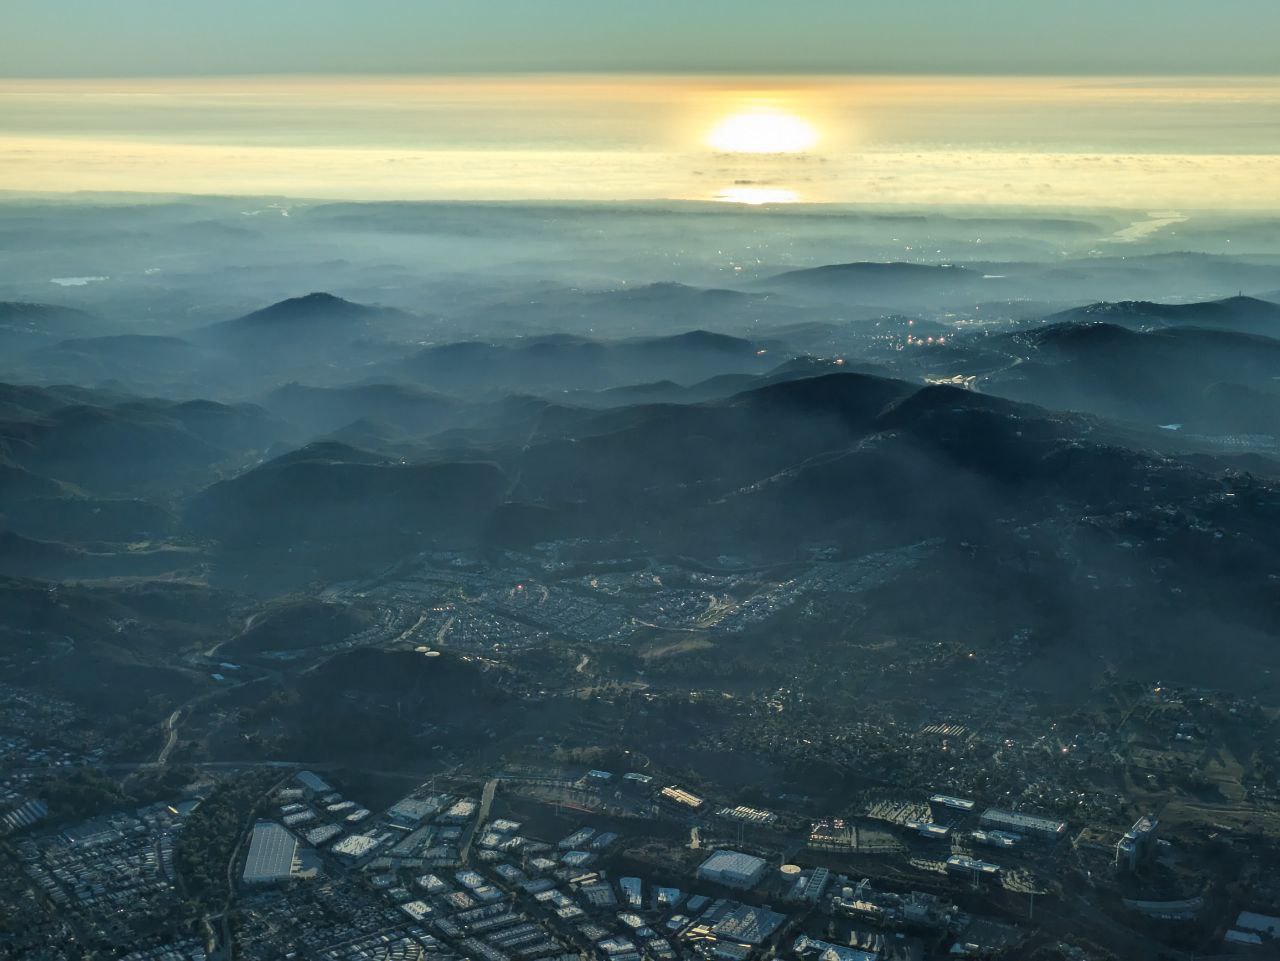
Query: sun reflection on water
point(755, 196)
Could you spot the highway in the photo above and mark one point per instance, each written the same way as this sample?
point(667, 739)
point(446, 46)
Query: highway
point(482, 816)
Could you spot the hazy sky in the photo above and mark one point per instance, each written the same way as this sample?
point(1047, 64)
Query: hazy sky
point(52, 38)
point(904, 101)
point(1153, 144)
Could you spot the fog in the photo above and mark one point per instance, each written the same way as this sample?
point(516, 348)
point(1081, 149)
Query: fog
point(631, 509)
point(178, 355)
point(449, 488)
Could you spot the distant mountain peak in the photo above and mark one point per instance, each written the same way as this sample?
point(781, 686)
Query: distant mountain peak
point(311, 322)
point(317, 298)
point(876, 268)
point(318, 304)
point(1244, 300)
point(704, 339)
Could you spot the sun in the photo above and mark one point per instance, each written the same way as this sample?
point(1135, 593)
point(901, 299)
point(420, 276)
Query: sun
point(762, 130)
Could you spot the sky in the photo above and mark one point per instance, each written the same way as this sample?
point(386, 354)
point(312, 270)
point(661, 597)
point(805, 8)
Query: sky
point(114, 38)
point(1155, 105)
point(1190, 143)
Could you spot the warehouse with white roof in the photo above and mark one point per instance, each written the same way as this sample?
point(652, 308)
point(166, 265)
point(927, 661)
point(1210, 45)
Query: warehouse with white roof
point(272, 854)
point(733, 869)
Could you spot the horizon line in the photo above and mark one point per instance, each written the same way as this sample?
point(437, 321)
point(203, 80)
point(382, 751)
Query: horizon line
point(10, 194)
point(653, 72)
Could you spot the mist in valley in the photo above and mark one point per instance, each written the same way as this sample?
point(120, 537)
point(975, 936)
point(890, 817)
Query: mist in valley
point(266, 396)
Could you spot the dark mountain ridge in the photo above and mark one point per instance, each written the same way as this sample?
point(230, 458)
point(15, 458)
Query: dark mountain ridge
point(1240, 313)
point(559, 363)
point(893, 283)
point(25, 326)
point(1151, 376)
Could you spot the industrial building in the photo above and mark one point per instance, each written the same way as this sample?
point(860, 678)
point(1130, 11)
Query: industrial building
point(681, 797)
point(1263, 923)
point(733, 869)
point(322, 834)
point(962, 866)
point(356, 846)
point(460, 813)
point(632, 891)
point(1252, 928)
point(1017, 822)
point(602, 841)
point(747, 815)
point(995, 839)
point(807, 947)
point(23, 815)
point(667, 898)
point(578, 839)
point(91, 834)
point(313, 782)
point(272, 854)
point(412, 811)
point(1134, 847)
point(747, 924)
point(930, 830)
point(963, 805)
point(806, 887)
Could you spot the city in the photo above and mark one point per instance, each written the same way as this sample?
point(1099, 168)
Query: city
point(668, 481)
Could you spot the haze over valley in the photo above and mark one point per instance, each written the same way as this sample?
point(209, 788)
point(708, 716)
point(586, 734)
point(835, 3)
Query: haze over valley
point(734, 503)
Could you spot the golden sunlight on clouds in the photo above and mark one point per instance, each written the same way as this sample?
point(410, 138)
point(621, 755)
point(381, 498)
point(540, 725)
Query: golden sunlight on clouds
point(884, 176)
point(1043, 142)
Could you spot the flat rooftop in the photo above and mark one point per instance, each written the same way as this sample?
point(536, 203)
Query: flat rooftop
point(748, 925)
point(1030, 822)
point(734, 863)
point(271, 854)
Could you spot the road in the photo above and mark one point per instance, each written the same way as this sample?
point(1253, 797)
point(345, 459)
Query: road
point(227, 948)
point(444, 630)
point(170, 738)
point(127, 767)
point(482, 816)
point(170, 723)
point(410, 631)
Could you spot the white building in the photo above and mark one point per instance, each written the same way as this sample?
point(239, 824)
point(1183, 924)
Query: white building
point(733, 869)
point(272, 853)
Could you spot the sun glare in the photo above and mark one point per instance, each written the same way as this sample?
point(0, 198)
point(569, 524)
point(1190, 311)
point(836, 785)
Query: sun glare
point(762, 131)
point(755, 196)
